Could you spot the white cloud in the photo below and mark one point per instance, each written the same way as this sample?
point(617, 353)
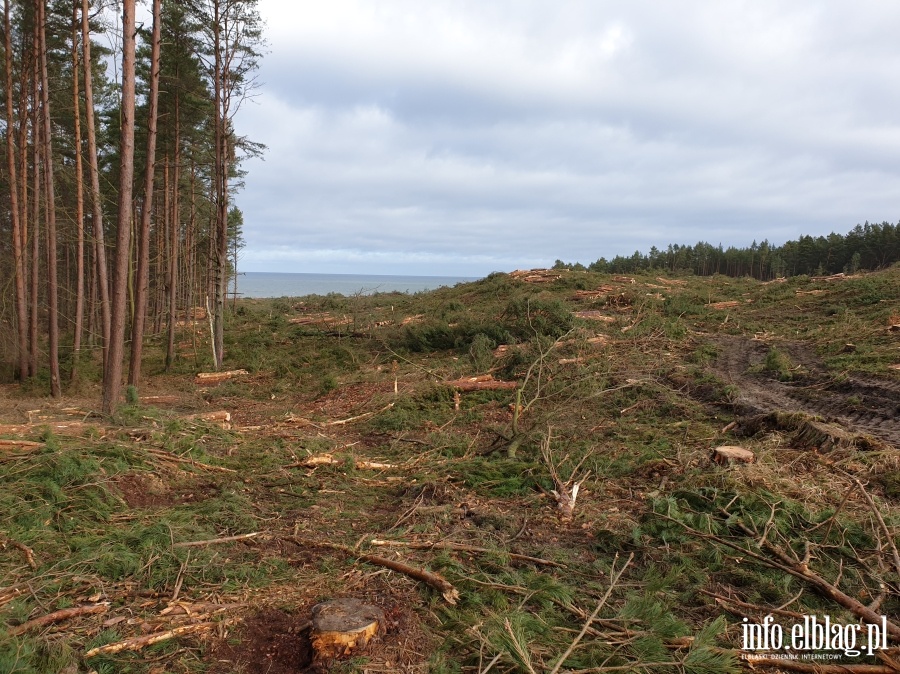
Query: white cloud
point(456, 134)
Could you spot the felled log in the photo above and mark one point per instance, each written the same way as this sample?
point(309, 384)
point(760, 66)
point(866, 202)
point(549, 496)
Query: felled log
point(59, 616)
point(20, 444)
point(595, 316)
point(727, 454)
point(219, 418)
point(159, 400)
point(724, 305)
point(206, 378)
point(343, 626)
point(484, 382)
point(137, 643)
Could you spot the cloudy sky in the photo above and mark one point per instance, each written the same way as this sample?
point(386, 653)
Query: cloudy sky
point(460, 137)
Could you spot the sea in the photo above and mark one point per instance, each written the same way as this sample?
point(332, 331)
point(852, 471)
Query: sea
point(273, 284)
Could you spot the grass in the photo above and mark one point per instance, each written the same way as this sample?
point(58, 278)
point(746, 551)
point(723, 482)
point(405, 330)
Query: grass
point(635, 405)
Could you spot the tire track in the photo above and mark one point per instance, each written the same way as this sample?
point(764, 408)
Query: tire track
point(870, 406)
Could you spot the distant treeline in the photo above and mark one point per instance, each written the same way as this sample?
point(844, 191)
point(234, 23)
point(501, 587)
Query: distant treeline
point(866, 247)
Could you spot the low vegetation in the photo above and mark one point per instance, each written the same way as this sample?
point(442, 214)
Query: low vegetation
point(562, 486)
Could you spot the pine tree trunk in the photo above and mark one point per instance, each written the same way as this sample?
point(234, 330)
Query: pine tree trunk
point(112, 376)
point(143, 269)
point(79, 202)
point(36, 214)
point(17, 234)
point(96, 199)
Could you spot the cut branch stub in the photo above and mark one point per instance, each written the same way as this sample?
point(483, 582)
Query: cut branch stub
point(343, 626)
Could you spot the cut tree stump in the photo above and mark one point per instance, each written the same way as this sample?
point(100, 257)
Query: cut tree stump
point(727, 454)
point(343, 626)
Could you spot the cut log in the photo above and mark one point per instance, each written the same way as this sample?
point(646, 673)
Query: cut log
point(219, 418)
point(727, 454)
point(159, 400)
point(485, 382)
point(343, 626)
point(595, 316)
point(207, 378)
point(19, 444)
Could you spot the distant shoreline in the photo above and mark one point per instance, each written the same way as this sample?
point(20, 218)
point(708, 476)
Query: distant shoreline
point(259, 285)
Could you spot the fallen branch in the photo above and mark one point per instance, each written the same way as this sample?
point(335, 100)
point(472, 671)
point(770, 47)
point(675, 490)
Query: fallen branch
point(204, 378)
point(463, 547)
point(720, 599)
point(28, 552)
point(450, 593)
point(880, 519)
point(614, 579)
point(797, 569)
point(59, 616)
point(174, 458)
point(137, 643)
point(341, 422)
point(216, 541)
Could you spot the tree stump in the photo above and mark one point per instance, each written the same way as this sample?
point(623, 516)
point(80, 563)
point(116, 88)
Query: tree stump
point(727, 454)
point(342, 626)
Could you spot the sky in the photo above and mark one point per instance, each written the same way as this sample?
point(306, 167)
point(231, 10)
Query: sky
point(461, 137)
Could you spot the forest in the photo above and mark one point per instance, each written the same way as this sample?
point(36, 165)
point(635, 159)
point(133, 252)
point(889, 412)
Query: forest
point(865, 247)
point(120, 163)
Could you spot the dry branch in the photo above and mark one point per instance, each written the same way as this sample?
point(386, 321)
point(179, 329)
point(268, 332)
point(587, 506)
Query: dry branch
point(216, 541)
point(137, 643)
point(798, 569)
point(59, 616)
point(463, 547)
point(219, 418)
point(450, 593)
point(174, 458)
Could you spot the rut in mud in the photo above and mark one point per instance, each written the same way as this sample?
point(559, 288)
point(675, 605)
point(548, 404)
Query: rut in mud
point(861, 404)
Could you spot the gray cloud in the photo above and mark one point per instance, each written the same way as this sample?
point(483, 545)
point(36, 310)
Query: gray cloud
point(464, 137)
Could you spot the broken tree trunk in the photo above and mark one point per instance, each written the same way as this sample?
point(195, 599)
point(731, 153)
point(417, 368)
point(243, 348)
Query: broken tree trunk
point(207, 378)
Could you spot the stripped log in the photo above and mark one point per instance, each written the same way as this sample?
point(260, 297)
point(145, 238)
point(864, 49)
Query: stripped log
point(207, 378)
point(485, 382)
point(59, 616)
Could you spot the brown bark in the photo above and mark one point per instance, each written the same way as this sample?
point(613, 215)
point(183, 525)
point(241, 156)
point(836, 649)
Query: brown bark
point(17, 237)
point(96, 203)
point(35, 215)
point(112, 375)
point(172, 280)
point(49, 208)
point(143, 268)
point(79, 202)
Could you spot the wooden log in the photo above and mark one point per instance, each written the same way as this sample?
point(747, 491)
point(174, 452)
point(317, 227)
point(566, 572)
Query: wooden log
point(484, 382)
point(219, 418)
point(343, 626)
point(595, 316)
point(19, 444)
point(137, 643)
point(159, 400)
point(727, 454)
point(206, 378)
point(59, 616)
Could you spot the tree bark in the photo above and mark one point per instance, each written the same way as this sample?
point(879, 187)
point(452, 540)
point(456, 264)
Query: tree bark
point(112, 376)
point(17, 234)
point(79, 202)
point(49, 208)
point(96, 199)
point(143, 268)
